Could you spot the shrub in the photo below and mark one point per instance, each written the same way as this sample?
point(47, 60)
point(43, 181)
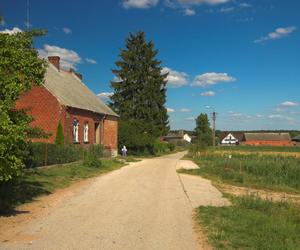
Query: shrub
point(97, 150)
point(160, 147)
point(91, 158)
point(60, 139)
point(41, 154)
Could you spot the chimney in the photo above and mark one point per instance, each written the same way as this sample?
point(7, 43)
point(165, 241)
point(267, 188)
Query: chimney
point(79, 75)
point(54, 60)
point(76, 73)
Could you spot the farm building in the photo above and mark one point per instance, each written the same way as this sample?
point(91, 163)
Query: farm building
point(64, 98)
point(296, 138)
point(232, 138)
point(270, 139)
point(176, 138)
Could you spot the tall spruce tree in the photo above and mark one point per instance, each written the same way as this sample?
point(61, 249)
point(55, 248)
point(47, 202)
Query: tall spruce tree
point(140, 89)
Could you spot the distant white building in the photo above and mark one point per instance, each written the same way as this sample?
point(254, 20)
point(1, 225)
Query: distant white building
point(229, 139)
point(187, 138)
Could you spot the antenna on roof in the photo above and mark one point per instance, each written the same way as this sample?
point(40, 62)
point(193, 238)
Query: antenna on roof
point(27, 21)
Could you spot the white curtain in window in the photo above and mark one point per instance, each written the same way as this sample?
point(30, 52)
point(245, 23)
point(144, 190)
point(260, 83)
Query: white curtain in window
point(86, 132)
point(75, 130)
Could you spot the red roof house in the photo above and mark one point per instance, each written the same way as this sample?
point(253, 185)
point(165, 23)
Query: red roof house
point(64, 98)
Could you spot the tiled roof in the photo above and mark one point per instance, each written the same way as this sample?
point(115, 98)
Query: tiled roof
point(72, 92)
point(267, 137)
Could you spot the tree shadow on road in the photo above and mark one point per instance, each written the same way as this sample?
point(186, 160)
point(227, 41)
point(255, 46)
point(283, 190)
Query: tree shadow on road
point(19, 191)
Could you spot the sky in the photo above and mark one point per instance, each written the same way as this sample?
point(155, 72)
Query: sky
point(239, 58)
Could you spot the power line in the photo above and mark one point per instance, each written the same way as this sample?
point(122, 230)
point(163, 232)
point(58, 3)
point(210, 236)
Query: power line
point(27, 21)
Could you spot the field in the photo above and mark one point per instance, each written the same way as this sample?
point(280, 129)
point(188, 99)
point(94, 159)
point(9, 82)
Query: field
point(245, 148)
point(272, 172)
point(251, 223)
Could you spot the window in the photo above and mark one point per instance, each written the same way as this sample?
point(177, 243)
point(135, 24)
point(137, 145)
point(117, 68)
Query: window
point(86, 132)
point(75, 130)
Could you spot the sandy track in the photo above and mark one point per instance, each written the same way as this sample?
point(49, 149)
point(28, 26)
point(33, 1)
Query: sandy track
point(141, 206)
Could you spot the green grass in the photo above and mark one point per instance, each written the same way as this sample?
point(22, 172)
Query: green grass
point(46, 180)
point(251, 223)
point(277, 173)
point(246, 148)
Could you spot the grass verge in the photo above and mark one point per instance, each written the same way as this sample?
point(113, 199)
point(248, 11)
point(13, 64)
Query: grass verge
point(275, 173)
point(257, 149)
point(36, 182)
point(252, 223)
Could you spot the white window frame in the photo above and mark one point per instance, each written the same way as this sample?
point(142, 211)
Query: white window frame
point(86, 132)
point(75, 130)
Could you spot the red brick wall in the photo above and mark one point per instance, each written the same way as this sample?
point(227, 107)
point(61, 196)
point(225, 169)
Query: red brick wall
point(268, 143)
point(110, 133)
point(47, 112)
point(82, 116)
point(44, 108)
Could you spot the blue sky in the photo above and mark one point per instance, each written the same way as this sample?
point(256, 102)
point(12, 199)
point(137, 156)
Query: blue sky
point(241, 57)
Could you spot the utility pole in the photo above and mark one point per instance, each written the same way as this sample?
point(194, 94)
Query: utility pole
point(214, 117)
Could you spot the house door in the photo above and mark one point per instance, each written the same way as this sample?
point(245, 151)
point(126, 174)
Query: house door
point(97, 133)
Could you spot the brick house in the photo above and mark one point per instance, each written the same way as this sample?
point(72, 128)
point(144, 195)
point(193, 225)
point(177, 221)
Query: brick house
point(64, 98)
point(268, 139)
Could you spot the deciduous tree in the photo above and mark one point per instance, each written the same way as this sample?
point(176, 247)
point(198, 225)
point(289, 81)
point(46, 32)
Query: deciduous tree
point(20, 70)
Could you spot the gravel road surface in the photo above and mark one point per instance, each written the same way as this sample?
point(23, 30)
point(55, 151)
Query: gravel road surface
point(142, 206)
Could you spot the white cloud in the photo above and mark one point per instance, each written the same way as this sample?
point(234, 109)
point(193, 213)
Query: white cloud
point(105, 95)
point(228, 9)
point(245, 5)
point(67, 30)
point(209, 79)
point(288, 104)
point(139, 4)
point(259, 116)
point(90, 60)
point(169, 110)
point(189, 118)
point(280, 117)
point(277, 34)
point(208, 93)
point(189, 12)
point(12, 31)
point(199, 2)
point(238, 116)
point(68, 58)
point(185, 110)
point(175, 78)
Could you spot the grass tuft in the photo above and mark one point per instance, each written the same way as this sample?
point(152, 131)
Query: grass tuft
point(252, 223)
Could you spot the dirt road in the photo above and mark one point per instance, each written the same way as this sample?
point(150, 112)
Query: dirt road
point(141, 206)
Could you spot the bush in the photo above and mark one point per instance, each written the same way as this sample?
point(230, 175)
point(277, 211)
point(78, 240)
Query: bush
point(60, 139)
point(92, 155)
point(97, 150)
point(91, 160)
point(160, 147)
point(41, 154)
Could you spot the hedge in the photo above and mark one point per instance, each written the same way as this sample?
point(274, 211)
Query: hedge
point(43, 154)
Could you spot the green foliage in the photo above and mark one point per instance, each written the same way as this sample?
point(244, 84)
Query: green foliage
point(41, 154)
point(91, 160)
point(252, 223)
point(259, 149)
point(20, 70)
point(203, 130)
point(160, 147)
point(271, 172)
point(140, 94)
point(60, 138)
point(132, 135)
